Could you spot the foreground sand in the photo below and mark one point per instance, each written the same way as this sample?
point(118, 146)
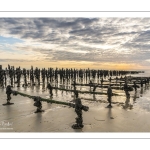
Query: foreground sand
point(20, 117)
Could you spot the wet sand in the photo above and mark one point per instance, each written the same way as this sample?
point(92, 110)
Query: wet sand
point(20, 117)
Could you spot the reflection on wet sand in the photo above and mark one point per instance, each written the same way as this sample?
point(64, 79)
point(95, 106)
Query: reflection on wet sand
point(141, 92)
point(127, 104)
point(37, 122)
point(43, 86)
point(109, 114)
point(134, 97)
point(94, 98)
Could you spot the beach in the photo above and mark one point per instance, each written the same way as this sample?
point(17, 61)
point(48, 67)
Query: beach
point(126, 115)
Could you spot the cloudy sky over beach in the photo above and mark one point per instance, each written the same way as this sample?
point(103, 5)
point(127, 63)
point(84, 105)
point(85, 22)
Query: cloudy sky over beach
point(100, 43)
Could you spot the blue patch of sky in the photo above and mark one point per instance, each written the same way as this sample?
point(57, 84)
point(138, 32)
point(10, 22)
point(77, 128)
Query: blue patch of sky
point(9, 40)
point(6, 43)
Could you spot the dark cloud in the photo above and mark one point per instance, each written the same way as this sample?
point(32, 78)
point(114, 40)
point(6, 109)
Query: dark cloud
point(125, 33)
point(141, 43)
point(95, 32)
point(143, 37)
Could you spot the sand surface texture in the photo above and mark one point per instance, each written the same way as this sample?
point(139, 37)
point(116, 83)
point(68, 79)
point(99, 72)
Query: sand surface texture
point(126, 115)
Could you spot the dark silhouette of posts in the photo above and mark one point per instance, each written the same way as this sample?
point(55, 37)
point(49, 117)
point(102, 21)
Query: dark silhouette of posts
point(109, 95)
point(91, 84)
point(50, 88)
point(141, 83)
point(102, 82)
point(126, 89)
point(74, 85)
point(38, 104)
point(25, 77)
point(18, 74)
point(9, 92)
point(78, 109)
point(32, 75)
point(11, 73)
point(2, 77)
point(135, 86)
point(94, 88)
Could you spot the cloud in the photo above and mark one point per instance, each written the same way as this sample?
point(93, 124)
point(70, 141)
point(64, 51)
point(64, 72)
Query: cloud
point(80, 39)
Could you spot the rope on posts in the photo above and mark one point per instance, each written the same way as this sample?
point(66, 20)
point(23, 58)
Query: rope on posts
point(47, 100)
point(78, 107)
point(33, 97)
point(91, 92)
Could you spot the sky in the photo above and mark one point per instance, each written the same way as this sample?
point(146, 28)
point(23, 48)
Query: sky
point(95, 43)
